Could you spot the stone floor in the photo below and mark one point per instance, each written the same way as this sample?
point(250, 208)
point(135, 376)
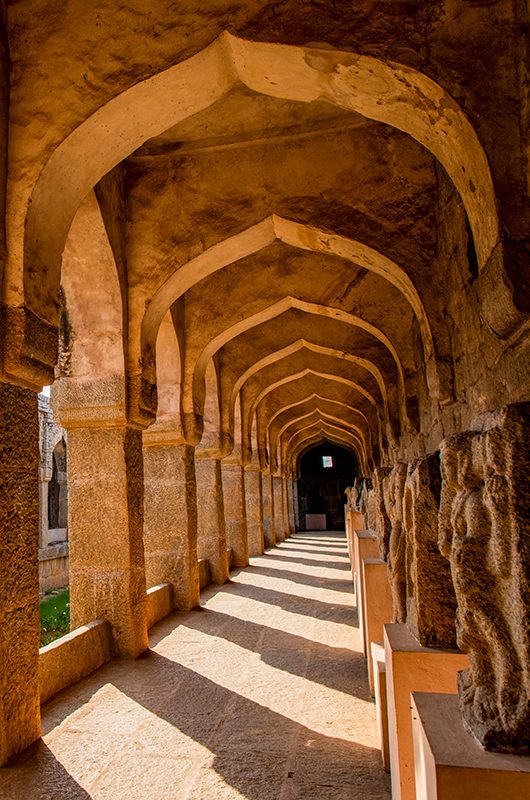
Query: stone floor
point(260, 694)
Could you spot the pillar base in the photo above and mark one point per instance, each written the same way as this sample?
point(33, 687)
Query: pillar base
point(377, 607)
point(451, 765)
point(412, 668)
point(364, 546)
point(379, 673)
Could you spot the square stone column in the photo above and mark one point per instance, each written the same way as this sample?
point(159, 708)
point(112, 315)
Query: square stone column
point(211, 530)
point(254, 508)
point(412, 668)
point(450, 764)
point(277, 487)
point(170, 524)
point(235, 511)
point(268, 510)
point(296, 508)
point(19, 571)
point(105, 526)
point(43, 508)
point(285, 508)
point(291, 505)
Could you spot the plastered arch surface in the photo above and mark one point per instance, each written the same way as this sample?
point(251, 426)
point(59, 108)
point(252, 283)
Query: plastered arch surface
point(387, 92)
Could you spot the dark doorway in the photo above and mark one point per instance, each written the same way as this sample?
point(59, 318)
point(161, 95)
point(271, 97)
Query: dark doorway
point(322, 483)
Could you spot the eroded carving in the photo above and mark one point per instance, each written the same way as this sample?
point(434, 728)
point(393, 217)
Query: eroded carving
point(430, 595)
point(378, 519)
point(484, 531)
point(393, 490)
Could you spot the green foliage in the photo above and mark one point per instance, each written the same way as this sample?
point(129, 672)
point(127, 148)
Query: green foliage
point(54, 616)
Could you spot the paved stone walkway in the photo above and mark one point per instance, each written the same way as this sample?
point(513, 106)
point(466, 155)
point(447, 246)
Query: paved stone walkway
point(260, 694)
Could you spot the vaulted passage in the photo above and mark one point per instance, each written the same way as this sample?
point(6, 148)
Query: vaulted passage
point(232, 234)
point(260, 694)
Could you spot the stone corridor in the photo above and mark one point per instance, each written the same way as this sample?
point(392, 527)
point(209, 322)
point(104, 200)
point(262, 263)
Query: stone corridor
point(261, 693)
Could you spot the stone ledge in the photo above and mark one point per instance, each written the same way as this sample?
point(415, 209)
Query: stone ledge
point(451, 765)
point(74, 656)
point(159, 603)
point(59, 550)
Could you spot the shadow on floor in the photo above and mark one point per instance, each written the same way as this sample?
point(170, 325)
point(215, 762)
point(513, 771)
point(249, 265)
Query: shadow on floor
point(332, 584)
point(275, 554)
point(256, 750)
point(338, 668)
point(296, 604)
point(45, 778)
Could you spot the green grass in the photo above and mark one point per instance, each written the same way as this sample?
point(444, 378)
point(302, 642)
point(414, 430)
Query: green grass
point(54, 616)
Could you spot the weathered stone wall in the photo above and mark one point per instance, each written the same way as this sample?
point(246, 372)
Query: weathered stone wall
point(53, 567)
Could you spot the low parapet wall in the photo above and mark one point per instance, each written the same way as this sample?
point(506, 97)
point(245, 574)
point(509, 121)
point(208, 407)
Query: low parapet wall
point(159, 603)
point(74, 656)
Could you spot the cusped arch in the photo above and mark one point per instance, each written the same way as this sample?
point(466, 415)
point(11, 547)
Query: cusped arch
point(312, 442)
point(323, 416)
point(275, 310)
point(387, 92)
point(328, 432)
point(318, 397)
point(247, 424)
point(301, 344)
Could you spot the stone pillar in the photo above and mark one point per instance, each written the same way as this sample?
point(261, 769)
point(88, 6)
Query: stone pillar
point(211, 530)
point(105, 525)
point(44, 478)
point(277, 482)
point(254, 509)
point(268, 510)
point(63, 499)
point(19, 571)
point(290, 485)
point(285, 509)
point(393, 490)
point(170, 525)
point(296, 507)
point(235, 511)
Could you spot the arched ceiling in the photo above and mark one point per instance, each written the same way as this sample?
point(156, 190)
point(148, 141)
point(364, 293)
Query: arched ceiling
point(278, 246)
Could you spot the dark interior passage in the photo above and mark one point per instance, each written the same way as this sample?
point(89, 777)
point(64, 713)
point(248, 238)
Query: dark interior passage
point(324, 474)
